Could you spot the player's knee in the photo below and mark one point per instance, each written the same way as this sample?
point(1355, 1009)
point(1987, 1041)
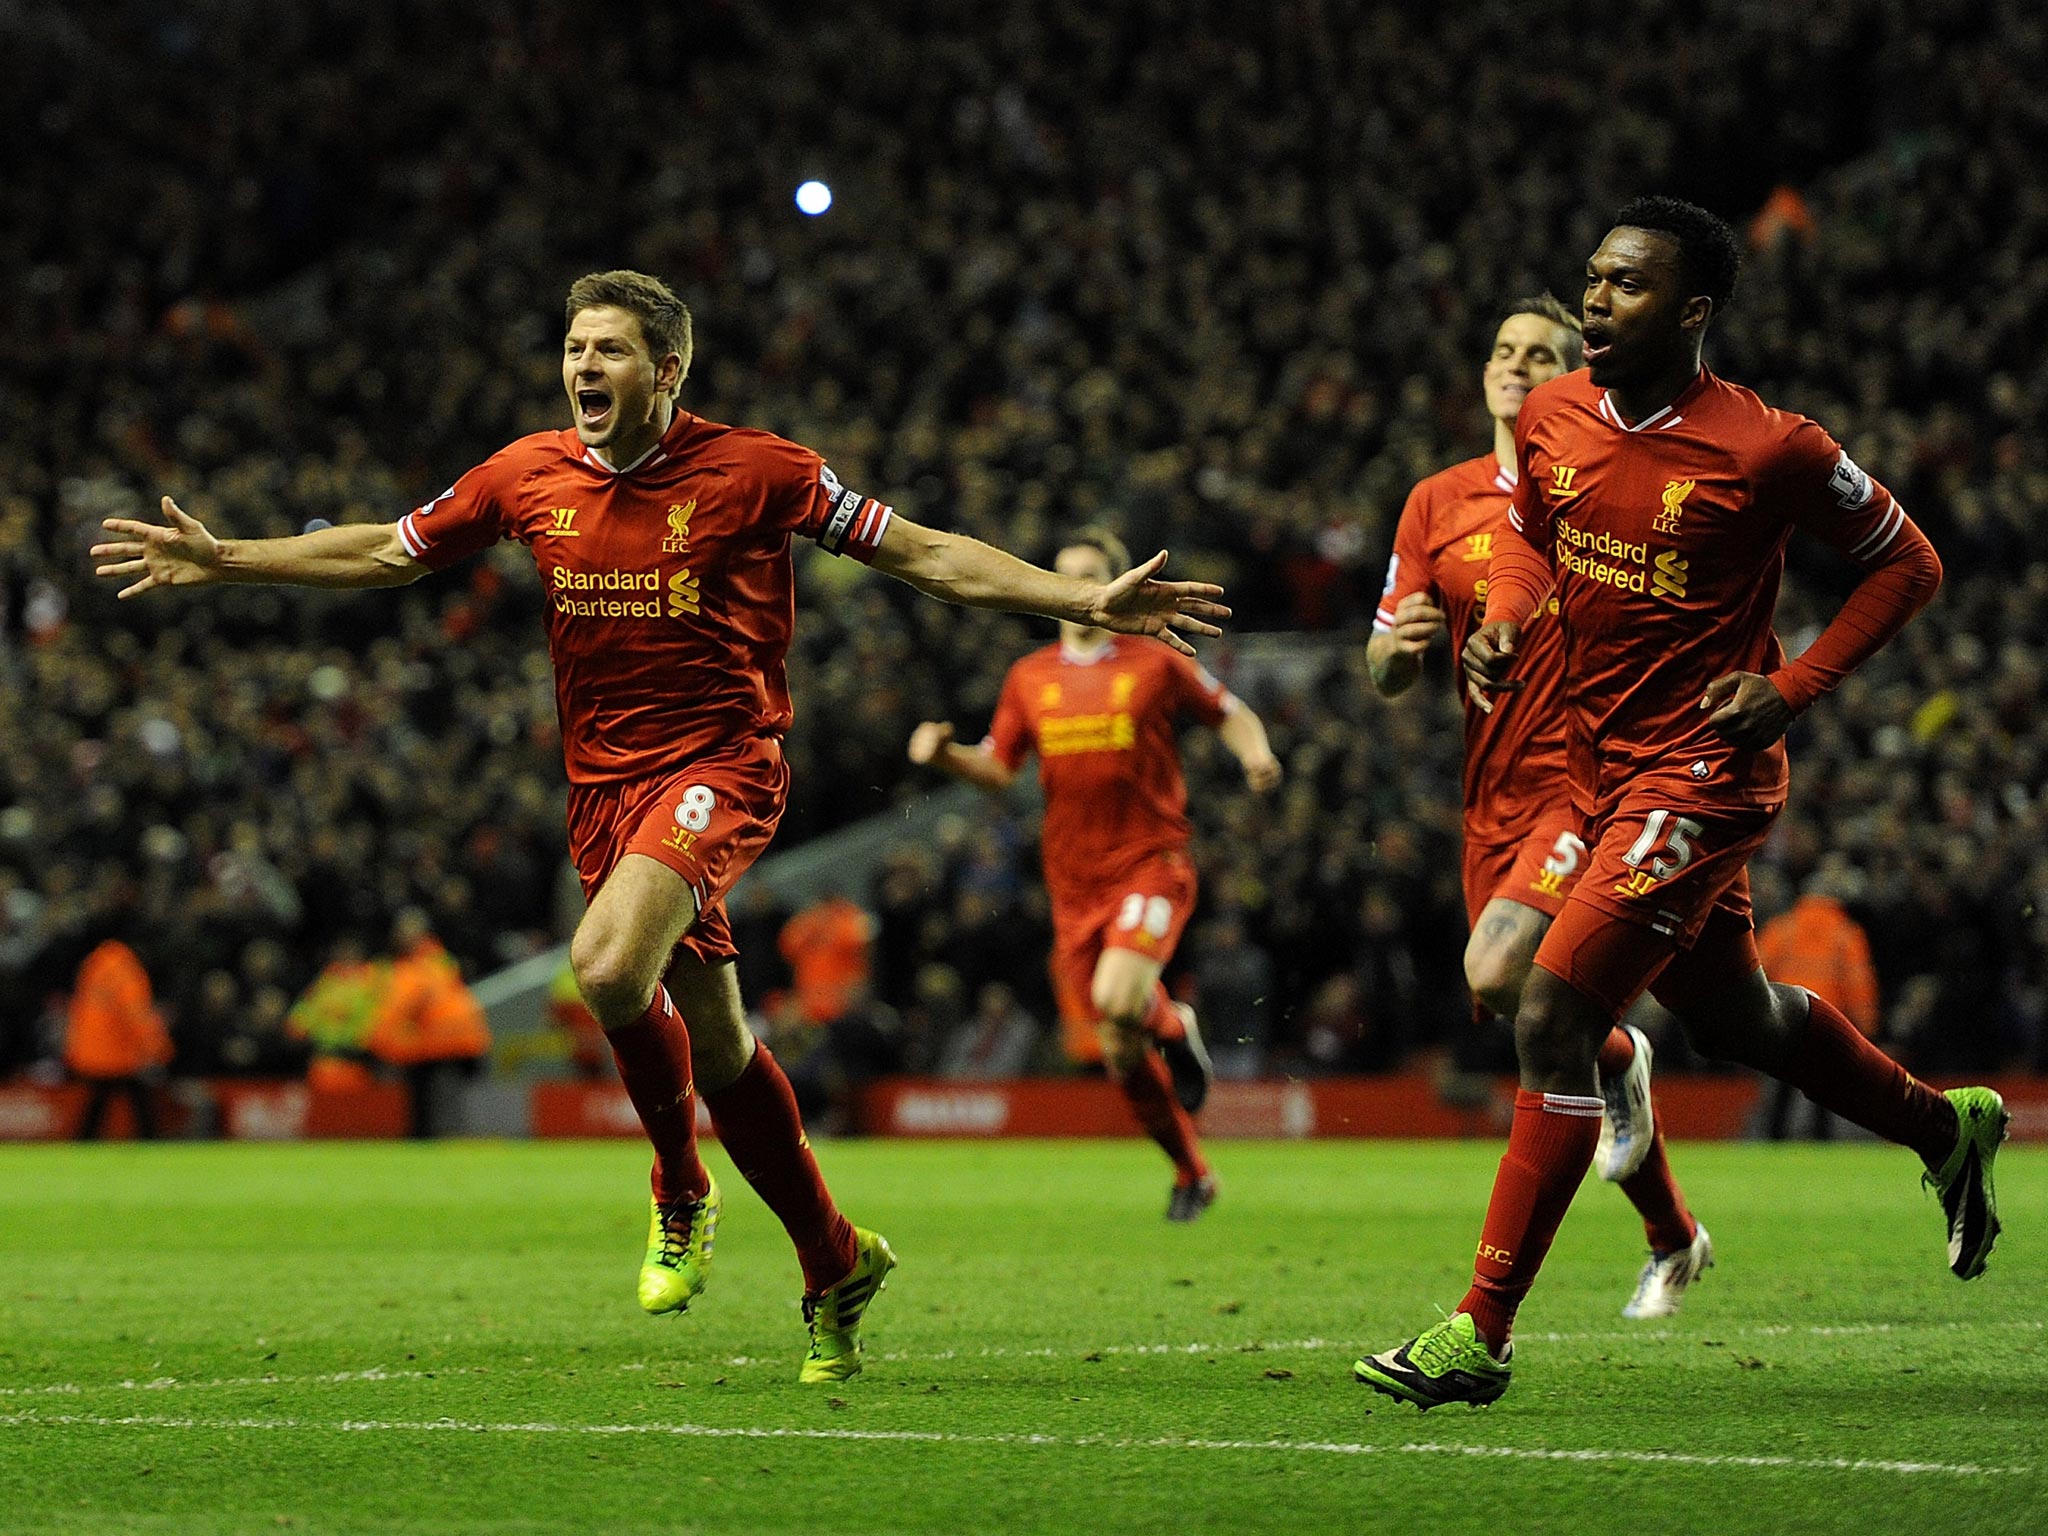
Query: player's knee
point(1555, 1038)
point(612, 986)
point(1119, 1004)
point(1495, 979)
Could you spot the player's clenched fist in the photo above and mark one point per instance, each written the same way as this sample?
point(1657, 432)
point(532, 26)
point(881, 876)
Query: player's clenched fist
point(1488, 658)
point(1262, 772)
point(1417, 623)
point(928, 739)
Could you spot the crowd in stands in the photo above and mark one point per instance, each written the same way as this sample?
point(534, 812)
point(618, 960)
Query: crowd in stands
point(1220, 274)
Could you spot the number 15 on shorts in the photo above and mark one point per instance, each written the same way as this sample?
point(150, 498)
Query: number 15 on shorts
point(1664, 849)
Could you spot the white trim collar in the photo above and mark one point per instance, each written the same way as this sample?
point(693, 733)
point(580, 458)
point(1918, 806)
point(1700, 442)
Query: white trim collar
point(653, 455)
point(1079, 658)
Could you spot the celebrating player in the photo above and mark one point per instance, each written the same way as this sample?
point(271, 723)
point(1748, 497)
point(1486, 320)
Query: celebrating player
point(1658, 499)
point(1522, 848)
point(663, 542)
point(1100, 712)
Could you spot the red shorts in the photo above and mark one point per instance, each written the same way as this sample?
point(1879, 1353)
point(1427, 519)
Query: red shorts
point(1537, 869)
point(1668, 873)
point(1142, 910)
point(707, 821)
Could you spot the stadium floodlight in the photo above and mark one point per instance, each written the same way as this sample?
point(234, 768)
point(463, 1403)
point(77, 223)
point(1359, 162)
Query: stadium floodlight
point(813, 198)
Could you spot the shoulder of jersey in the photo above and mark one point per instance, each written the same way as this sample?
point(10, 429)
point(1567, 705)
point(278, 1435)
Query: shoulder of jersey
point(1460, 479)
point(1746, 422)
point(1574, 388)
point(538, 449)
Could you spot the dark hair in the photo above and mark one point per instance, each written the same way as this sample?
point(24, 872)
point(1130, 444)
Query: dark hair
point(1709, 256)
point(1549, 307)
point(1100, 539)
point(664, 318)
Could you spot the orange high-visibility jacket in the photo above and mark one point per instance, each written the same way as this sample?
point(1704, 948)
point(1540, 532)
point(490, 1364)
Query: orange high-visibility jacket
point(827, 948)
point(429, 1014)
point(114, 1028)
point(1818, 945)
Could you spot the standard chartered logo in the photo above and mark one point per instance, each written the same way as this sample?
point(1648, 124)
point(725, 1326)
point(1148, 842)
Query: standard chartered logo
point(1618, 563)
point(619, 594)
point(1669, 581)
point(684, 597)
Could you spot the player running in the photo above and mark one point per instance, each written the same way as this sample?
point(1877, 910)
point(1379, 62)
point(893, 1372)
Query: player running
point(1522, 848)
point(1658, 499)
point(663, 543)
point(1100, 712)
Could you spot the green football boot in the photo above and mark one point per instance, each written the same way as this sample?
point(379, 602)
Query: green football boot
point(834, 1317)
point(1447, 1364)
point(678, 1263)
point(1964, 1181)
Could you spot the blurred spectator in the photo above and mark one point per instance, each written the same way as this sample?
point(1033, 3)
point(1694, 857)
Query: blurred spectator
point(428, 1025)
point(827, 946)
point(115, 1041)
point(864, 1042)
point(1817, 945)
point(997, 1040)
point(336, 1013)
point(1234, 995)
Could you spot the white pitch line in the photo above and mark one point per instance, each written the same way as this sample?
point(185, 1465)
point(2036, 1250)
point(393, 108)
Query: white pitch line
point(1059, 1442)
point(175, 1384)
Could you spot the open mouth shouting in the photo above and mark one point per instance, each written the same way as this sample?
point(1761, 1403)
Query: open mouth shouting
point(594, 407)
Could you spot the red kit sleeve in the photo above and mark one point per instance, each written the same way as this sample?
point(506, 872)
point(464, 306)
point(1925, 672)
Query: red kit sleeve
point(1519, 576)
point(1009, 735)
point(464, 519)
point(1408, 568)
point(1824, 492)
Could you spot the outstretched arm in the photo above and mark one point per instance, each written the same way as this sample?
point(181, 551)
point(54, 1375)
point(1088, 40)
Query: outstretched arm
point(1244, 733)
point(977, 575)
point(933, 743)
point(180, 552)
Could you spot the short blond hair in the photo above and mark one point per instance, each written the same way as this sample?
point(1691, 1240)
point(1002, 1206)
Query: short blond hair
point(1103, 542)
point(664, 318)
point(1545, 306)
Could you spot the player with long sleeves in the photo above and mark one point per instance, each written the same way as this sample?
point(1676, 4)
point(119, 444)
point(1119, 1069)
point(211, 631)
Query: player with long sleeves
point(663, 543)
point(1657, 499)
point(1100, 710)
point(1523, 854)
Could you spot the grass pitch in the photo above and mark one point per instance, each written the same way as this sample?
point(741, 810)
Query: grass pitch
point(390, 1338)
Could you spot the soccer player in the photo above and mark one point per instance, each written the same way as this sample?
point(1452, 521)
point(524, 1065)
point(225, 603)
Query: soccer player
point(1100, 712)
point(1658, 499)
point(1522, 847)
point(663, 541)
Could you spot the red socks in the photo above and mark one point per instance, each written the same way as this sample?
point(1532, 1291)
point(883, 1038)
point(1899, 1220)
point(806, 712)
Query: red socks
point(1654, 1192)
point(1550, 1147)
point(1149, 1090)
point(1838, 1069)
point(1162, 1019)
point(1616, 1052)
point(757, 1120)
point(653, 1053)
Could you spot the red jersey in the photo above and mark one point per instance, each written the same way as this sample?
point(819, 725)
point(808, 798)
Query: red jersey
point(670, 591)
point(1103, 727)
point(1514, 757)
point(1666, 538)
